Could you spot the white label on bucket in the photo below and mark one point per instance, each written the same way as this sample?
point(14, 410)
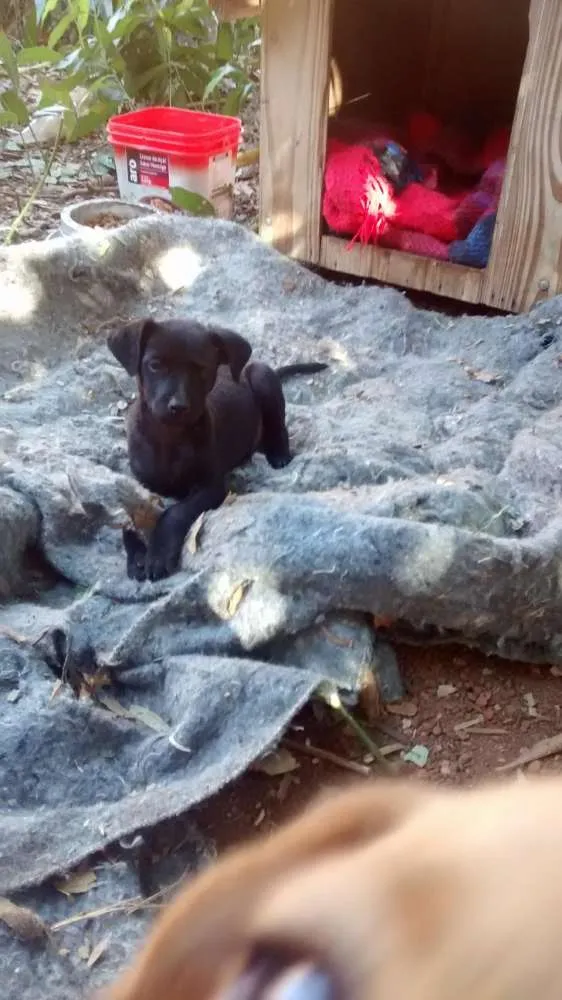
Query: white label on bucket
point(143, 175)
point(148, 169)
point(220, 169)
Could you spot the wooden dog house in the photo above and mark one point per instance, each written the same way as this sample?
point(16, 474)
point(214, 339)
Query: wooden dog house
point(477, 61)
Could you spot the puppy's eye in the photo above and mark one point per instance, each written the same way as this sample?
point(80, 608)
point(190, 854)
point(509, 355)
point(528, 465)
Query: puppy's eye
point(272, 977)
point(154, 365)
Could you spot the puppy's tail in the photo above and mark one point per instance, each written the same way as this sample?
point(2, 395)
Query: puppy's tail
point(301, 368)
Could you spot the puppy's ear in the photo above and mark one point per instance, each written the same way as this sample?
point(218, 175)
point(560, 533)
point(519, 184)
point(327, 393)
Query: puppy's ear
point(207, 929)
point(127, 344)
point(234, 350)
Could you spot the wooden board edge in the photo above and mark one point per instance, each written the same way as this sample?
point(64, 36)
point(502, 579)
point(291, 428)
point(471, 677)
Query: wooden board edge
point(393, 267)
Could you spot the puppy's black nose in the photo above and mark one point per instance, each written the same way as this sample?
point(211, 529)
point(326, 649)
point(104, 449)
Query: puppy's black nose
point(176, 407)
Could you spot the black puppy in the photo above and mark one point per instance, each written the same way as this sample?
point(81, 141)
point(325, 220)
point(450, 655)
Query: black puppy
point(202, 409)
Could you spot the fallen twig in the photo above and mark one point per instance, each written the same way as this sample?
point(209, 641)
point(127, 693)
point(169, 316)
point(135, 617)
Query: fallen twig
point(327, 755)
point(123, 906)
point(544, 748)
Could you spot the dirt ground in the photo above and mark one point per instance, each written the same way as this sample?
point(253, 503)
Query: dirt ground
point(473, 714)
point(465, 715)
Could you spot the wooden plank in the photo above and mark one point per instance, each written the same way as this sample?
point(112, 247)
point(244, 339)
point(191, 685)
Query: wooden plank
point(234, 10)
point(407, 270)
point(294, 105)
point(526, 259)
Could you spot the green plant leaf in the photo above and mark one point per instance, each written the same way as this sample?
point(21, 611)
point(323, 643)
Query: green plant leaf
point(53, 93)
point(14, 103)
point(81, 11)
point(163, 40)
point(111, 52)
point(125, 25)
point(60, 29)
point(140, 82)
point(8, 59)
point(189, 24)
point(191, 202)
point(7, 118)
point(225, 42)
point(90, 122)
point(37, 55)
point(237, 98)
point(217, 78)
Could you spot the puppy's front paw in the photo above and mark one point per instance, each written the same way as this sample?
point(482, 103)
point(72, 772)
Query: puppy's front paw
point(278, 460)
point(163, 556)
point(135, 550)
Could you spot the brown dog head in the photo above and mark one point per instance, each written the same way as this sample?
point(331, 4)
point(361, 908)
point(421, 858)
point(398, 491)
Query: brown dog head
point(381, 893)
point(176, 363)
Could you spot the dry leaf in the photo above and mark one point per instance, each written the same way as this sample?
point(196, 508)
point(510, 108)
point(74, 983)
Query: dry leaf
point(403, 708)
point(98, 950)
point(145, 516)
point(76, 883)
point(370, 698)
point(22, 921)
point(112, 705)
point(235, 599)
point(194, 533)
point(57, 688)
point(135, 713)
point(141, 714)
point(248, 156)
point(275, 763)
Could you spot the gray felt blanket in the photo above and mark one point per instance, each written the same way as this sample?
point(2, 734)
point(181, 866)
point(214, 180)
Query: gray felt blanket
point(425, 488)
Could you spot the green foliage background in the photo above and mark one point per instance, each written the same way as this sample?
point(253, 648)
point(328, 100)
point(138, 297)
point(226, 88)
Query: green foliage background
point(128, 53)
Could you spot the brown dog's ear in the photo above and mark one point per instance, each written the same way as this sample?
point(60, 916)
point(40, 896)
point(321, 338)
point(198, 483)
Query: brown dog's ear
point(127, 344)
point(234, 350)
point(207, 929)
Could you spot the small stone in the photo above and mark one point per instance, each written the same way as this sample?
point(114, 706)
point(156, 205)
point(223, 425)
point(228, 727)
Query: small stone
point(444, 690)
point(556, 671)
point(407, 725)
point(483, 699)
point(403, 708)
point(465, 758)
point(445, 768)
point(437, 729)
point(534, 767)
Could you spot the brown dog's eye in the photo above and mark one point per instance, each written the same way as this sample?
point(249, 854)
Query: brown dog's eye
point(154, 365)
point(269, 976)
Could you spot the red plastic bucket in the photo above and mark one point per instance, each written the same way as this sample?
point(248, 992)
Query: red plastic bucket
point(157, 149)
